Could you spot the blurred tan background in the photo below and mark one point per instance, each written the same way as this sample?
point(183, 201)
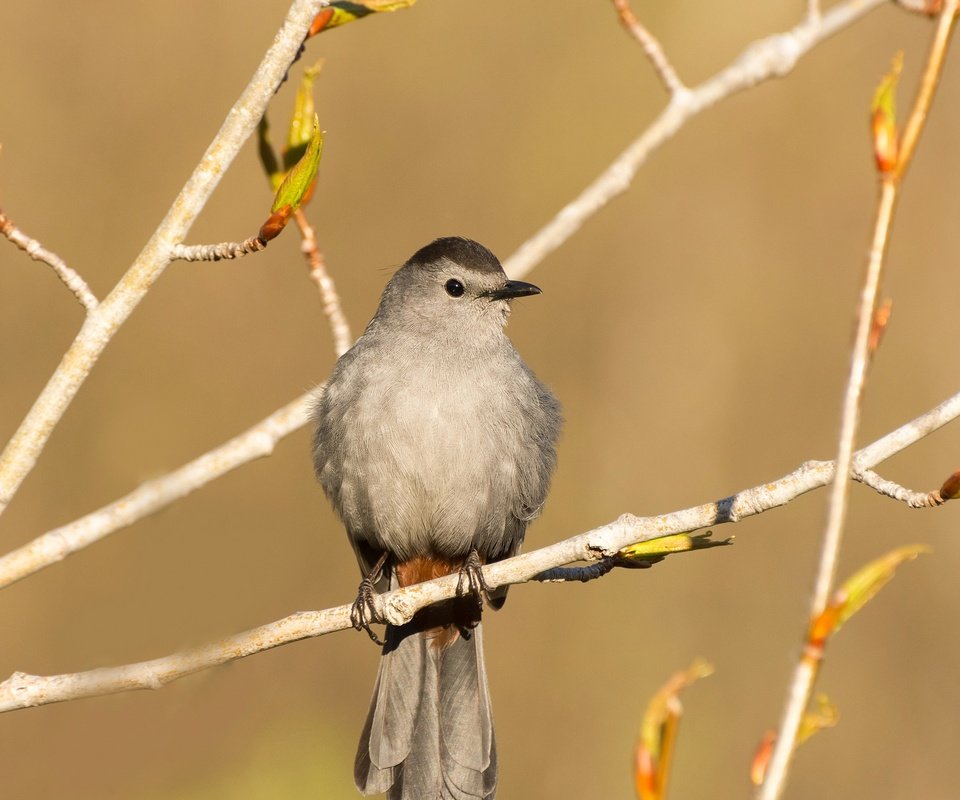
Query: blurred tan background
point(696, 331)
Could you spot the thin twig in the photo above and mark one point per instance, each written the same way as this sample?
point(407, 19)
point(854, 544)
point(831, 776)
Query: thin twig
point(256, 442)
point(342, 338)
point(217, 252)
point(928, 86)
point(23, 450)
point(805, 673)
point(771, 57)
point(70, 278)
point(598, 545)
point(651, 47)
point(897, 492)
point(23, 691)
point(813, 10)
point(850, 419)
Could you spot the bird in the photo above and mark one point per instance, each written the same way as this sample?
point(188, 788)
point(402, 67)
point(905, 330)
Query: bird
point(435, 444)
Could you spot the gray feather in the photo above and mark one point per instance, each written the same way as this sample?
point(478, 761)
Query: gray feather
point(429, 731)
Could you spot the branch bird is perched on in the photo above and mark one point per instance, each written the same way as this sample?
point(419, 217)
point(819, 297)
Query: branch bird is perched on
point(435, 443)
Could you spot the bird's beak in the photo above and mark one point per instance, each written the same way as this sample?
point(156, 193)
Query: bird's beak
point(511, 290)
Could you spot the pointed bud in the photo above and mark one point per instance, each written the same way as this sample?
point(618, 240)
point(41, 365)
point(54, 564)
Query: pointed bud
point(858, 590)
point(883, 120)
point(761, 758)
point(657, 549)
point(659, 730)
point(275, 223)
point(295, 188)
point(301, 176)
point(300, 131)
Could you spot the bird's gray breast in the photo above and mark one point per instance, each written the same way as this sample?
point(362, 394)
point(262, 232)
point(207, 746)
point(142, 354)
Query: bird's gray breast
point(434, 455)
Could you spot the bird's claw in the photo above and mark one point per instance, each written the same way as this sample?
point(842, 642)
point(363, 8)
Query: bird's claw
point(363, 612)
point(471, 580)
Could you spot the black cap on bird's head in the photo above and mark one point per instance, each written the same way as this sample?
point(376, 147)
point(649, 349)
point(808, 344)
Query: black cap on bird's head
point(465, 252)
point(475, 257)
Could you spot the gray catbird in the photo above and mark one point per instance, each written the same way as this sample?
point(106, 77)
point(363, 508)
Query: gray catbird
point(435, 443)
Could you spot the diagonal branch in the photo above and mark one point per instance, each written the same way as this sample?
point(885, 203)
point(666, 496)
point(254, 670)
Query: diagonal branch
point(22, 690)
point(70, 278)
point(256, 442)
point(23, 450)
point(805, 672)
point(260, 440)
point(772, 57)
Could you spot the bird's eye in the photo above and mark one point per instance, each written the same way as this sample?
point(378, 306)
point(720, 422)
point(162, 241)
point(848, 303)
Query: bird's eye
point(454, 288)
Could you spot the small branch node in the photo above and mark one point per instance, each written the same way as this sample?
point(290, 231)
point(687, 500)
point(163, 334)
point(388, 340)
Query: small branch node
point(393, 611)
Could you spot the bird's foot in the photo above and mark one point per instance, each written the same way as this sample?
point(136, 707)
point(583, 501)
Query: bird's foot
point(363, 612)
point(471, 581)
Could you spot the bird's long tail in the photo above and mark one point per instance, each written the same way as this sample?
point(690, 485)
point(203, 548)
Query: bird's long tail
point(429, 731)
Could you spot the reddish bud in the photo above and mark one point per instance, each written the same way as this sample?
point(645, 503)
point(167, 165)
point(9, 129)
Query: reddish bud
point(275, 223)
point(883, 119)
point(951, 487)
point(880, 319)
point(321, 21)
point(761, 758)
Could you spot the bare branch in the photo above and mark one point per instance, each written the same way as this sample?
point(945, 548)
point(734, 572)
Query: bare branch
point(898, 492)
point(38, 252)
point(260, 440)
point(600, 545)
point(807, 668)
point(23, 450)
point(906, 434)
point(342, 338)
point(651, 47)
point(928, 86)
point(638, 556)
point(850, 421)
point(772, 57)
point(22, 691)
point(256, 442)
point(217, 252)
